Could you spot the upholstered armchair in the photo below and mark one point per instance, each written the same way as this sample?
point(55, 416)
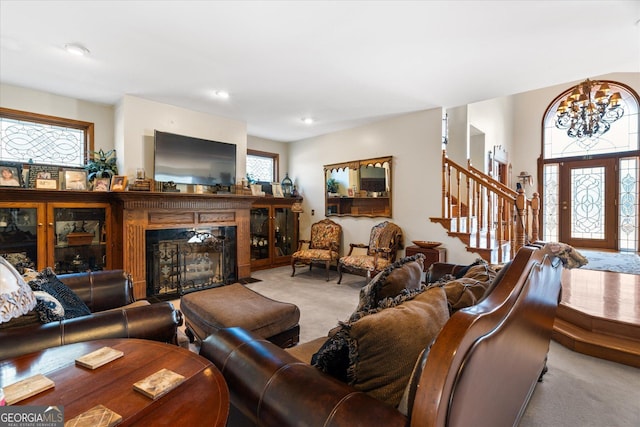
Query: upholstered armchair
point(384, 242)
point(324, 246)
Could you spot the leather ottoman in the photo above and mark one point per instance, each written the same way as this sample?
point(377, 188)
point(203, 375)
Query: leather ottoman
point(235, 305)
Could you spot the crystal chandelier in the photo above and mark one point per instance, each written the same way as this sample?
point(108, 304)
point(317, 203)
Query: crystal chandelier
point(588, 112)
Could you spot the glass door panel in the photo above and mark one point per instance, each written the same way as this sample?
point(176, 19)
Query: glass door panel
point(285, 240)
point(588, 208)
point(259, 233)
point(19, 235)
point(80, 239)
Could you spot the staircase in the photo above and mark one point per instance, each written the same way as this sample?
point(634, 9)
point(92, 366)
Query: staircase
point(490, 218)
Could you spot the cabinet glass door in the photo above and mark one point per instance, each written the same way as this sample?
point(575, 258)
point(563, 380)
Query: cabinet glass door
point(80, 239)
point(285, 240)
point(259, 233)
point(19, 236)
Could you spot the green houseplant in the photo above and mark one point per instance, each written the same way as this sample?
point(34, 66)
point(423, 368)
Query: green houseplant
point(102, 165)
point(332, 185)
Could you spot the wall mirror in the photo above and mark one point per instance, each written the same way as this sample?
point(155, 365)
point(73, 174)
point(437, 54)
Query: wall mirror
point(359, 188)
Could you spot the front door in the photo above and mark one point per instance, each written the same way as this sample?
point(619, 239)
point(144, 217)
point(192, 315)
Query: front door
point(588, 203)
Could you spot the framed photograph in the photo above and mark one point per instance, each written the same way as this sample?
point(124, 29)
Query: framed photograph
point(37, 172)
point(47, 184)
point(101, 184)
point(10, 174)
point(350, 192)
point(75, 179)
point(276, 189)
point(119, 183)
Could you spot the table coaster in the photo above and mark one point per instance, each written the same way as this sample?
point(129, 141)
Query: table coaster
point(100, 357)
point(98, 416)
point(26, 388)
point(158, 384)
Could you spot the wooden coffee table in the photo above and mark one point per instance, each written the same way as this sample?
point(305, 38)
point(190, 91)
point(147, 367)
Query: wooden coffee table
point(201, 400)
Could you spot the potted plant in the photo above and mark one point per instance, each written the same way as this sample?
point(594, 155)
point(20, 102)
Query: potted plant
point(102, 165)
point(332, 186)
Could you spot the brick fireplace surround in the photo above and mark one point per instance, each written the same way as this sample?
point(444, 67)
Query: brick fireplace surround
point(156, 211)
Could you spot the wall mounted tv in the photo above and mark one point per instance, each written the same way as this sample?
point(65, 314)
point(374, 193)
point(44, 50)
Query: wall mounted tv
point(187, 160)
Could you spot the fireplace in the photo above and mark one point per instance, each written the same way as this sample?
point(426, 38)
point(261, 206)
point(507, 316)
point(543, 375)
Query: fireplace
point(180, 261)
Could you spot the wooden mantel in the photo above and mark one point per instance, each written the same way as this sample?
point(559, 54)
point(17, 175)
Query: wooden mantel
point(142, 211)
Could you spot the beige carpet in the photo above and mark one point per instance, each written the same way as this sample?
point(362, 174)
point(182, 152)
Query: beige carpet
point(578, 390)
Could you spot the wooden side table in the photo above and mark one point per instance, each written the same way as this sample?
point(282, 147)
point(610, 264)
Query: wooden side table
point(431, 255)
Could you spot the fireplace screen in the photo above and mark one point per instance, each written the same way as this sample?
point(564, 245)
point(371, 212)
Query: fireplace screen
point(182, 261)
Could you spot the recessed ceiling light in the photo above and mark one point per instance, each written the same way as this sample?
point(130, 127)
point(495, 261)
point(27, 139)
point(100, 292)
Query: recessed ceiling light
point(222, 94)
point(308, 120)
point(76, 49)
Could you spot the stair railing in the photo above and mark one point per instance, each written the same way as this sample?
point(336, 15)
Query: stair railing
point(476, 205)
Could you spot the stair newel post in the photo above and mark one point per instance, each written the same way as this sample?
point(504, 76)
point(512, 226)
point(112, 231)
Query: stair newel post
point(535, 217)
point(521, 206)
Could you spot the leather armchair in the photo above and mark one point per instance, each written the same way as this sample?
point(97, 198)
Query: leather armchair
point(115, 314)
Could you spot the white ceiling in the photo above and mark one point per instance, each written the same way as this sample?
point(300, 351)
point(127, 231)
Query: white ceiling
point(343, 63)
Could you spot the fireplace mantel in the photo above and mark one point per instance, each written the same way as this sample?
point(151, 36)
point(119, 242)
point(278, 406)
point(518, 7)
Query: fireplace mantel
point(142, 211)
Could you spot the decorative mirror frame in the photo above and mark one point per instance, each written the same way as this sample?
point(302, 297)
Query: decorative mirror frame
point(374, 199)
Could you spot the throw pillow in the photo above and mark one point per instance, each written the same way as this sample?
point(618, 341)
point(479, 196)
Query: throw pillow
point(48, 308)
point(47, 281)
point(16, 298)
point(384, 346)
point(404, 274)
point(333, 357)
point(469, 289)
point(461, 273)
point(569, 256)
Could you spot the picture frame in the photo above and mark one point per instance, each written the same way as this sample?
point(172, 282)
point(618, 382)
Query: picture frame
point(276, 189)
point(11, 174)
point(37, 171)
point(102, 184)
point(119, 183)
point(75, 179)
point(47, 184)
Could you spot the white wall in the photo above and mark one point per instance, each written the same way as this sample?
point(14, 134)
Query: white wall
point(35, 101)
point(494, 118)
point(137, 119)
point(414, 141)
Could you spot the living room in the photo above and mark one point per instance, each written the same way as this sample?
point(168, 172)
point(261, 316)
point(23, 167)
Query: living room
point(511, 121)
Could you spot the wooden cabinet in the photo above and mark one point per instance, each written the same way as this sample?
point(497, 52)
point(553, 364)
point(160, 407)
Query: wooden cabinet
point(69, 236)
point(274, 232)
point(431, 255)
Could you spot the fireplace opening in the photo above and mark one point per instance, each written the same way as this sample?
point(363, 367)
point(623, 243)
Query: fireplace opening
point(180, 261)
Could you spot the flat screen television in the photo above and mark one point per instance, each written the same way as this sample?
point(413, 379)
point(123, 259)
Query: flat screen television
point(187, 160)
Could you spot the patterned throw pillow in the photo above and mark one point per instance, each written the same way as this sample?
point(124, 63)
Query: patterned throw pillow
point(377, 352)
point(48, 282)
point(403, 275)
point(48, 308)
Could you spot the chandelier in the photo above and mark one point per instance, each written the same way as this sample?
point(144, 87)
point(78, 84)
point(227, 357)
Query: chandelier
point(588, 112)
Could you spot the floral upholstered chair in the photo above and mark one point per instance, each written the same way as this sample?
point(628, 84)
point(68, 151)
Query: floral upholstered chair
point(384, 242)
point(324, 246)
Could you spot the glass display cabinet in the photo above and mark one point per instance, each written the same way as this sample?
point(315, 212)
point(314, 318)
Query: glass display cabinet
point(69, 237)
point(274, 232)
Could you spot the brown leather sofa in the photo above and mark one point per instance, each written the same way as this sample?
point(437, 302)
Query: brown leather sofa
point(480, 370)
point(115, 314)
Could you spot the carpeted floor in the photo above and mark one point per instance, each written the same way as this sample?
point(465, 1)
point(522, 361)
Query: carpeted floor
point(620, 262)
point(578, 390)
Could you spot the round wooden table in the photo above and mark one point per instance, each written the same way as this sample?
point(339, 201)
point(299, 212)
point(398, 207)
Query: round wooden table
point(201, 400)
